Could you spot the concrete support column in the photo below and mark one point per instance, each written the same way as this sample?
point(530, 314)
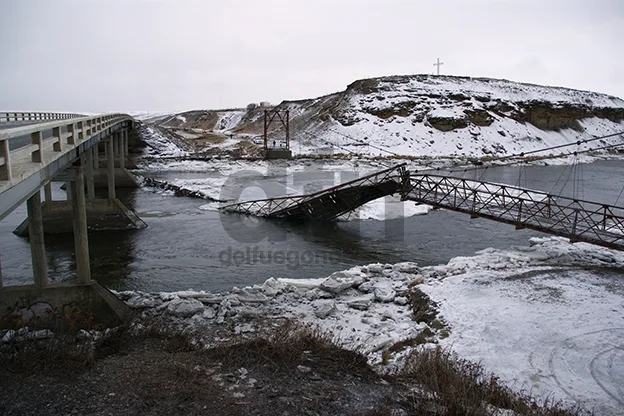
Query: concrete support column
point(117, 138)
point(87, 161)
point(110, 161)
point(35, 233)
point(96, 157)
point(68, 188)
point(125, 142)
point(81, 239)
point(47, 189)
point(122, 153)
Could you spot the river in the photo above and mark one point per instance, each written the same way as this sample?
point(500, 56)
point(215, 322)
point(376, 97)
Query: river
point(188, 246)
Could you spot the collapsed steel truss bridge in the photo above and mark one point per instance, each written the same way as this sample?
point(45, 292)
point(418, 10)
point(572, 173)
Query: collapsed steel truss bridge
point(330, 203)
point(578, 220)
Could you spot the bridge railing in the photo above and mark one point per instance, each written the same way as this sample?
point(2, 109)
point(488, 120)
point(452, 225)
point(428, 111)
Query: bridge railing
point(29, 116)
point(60, 136)
point(576, 219)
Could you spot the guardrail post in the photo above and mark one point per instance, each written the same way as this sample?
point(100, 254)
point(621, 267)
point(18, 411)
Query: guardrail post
point(71, 133)
point(37, 139)
point(81, 240)
point(58, 144)
point(5, 169)
point(81, 133)
point(35, 233)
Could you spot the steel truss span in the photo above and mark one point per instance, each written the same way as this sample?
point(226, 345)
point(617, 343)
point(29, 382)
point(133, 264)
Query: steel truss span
point(578, 220)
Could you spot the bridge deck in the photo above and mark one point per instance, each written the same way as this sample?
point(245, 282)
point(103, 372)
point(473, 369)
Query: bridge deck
point(33, 151)
point(577, 220)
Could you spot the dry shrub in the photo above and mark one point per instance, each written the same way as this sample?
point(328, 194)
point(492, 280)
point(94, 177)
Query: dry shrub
point(60, 353)
point(292, 344)
point(424, 309)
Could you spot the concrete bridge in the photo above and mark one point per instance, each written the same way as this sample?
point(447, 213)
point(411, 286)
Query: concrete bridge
point(36, 149)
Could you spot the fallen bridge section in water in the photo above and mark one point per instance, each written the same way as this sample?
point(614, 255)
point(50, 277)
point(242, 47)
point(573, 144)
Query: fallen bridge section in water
point(330, 203)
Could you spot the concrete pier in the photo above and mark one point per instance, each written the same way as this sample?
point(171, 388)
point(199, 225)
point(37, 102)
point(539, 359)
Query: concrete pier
point(47, 189)
point(87, 161)
point(81, 241)
point(110, 160)
point(35, 233)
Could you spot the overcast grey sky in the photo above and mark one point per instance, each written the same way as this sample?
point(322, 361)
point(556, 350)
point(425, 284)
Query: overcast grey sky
point(171, 55)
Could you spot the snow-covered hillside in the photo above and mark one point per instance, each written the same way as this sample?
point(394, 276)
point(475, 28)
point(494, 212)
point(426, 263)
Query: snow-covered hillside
point(425, 115)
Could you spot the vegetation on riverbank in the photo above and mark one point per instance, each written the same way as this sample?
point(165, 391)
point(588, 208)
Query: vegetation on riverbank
point(289, 369)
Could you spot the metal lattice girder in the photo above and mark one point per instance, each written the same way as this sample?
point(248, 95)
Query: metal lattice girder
point(578, 220)
point(330, 203)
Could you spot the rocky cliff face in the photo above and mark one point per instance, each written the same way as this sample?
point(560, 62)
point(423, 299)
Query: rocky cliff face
point(480, 101)
point(443, 116)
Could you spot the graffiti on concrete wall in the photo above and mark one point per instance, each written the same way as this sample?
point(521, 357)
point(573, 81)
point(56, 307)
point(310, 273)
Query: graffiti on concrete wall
point(70, 316)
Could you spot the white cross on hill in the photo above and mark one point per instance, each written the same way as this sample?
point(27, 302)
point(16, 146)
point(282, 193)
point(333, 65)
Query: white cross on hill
point(438, 63)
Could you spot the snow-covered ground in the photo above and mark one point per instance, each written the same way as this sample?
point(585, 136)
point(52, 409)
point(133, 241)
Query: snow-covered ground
point(537, 316)
point(409, 132)
point(159, 145)
point(229, 120)
point(553, 330)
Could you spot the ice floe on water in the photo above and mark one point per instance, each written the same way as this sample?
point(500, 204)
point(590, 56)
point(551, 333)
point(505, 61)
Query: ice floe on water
point(548, 317)
point(387, 208)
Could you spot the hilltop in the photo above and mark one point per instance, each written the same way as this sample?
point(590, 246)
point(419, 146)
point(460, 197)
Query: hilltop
point(418, 115)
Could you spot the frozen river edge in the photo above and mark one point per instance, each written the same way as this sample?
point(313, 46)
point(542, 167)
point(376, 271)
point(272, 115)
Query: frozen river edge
point(547, 318)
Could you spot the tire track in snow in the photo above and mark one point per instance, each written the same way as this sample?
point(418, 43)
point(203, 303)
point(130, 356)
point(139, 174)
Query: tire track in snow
point(576, 357)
